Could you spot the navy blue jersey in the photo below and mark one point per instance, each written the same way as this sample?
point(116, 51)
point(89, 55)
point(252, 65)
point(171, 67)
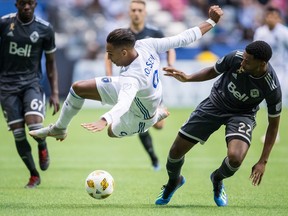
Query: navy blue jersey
point(238, 92)
point(148, 32)
point(21, 49)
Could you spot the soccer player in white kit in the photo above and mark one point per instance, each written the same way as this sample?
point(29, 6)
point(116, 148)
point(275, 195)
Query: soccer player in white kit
point(136, 93)
point(275, 33)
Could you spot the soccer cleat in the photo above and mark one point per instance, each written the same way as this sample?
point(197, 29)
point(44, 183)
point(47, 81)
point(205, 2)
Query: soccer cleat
point(34, 181)
point(44, 159)
point(164, 196)
point(51, 131)
point(156, 166)
point(220, 196)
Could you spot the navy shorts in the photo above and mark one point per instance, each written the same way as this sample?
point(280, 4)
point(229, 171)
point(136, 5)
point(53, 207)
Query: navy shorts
point(29, 101)
point(207, 119)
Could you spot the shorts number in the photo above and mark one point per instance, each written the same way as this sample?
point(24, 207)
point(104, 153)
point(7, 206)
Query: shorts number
point(155, 78)
point(243, 128)
point(36, 104)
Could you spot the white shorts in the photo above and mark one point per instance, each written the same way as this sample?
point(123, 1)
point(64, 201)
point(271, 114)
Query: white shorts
point(129, 123)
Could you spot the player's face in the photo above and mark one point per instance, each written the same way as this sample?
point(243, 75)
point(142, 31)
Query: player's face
point(251, 65)
point(26, 9)
point(115, 54)
point(137, 13)
point(272, 18)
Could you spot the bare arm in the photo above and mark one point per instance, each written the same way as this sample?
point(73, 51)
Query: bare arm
point(171, 57)
point(214, 13)
point(204, 74)
point(53, 80)
point(259, 168)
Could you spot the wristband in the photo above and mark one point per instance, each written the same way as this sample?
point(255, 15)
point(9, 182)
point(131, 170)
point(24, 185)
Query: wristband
point(211, 22)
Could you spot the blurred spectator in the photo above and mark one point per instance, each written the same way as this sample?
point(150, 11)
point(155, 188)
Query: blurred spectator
point(276, 35)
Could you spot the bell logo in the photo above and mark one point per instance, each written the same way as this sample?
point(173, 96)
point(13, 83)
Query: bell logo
point(237, 94)
point(20, 51)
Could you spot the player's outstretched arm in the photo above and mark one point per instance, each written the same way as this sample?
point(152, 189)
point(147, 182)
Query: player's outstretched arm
point(204, 74)
point(214, 14)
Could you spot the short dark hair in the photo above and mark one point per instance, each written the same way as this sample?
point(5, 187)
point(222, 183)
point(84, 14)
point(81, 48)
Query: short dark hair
point(260, 50)
point(121, 37)
point(271, 9)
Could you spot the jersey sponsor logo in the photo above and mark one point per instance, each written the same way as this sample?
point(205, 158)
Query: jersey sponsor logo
point(34, 37)
point(20, 51)
point(232, 88)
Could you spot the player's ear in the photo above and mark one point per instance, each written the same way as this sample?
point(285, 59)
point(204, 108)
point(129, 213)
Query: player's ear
point(124, 52)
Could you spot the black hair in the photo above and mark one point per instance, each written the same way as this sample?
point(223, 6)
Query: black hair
point(260, 50)
point(121, 37)
point(271, 9)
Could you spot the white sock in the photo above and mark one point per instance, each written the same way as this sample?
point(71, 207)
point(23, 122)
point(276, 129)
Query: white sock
point(71, 107)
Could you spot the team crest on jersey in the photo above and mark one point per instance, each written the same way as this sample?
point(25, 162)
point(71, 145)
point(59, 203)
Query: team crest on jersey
point(34, 37)
point(254, 93)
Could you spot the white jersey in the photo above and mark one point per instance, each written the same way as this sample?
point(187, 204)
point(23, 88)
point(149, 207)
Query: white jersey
point(277, 38)
point(140, 87)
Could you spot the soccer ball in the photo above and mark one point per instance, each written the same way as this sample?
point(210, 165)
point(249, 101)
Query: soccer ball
point(99, 184)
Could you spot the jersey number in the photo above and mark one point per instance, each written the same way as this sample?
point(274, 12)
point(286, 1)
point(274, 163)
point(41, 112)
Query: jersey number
point(36, 104)
point(246, 129)
point(155, 79)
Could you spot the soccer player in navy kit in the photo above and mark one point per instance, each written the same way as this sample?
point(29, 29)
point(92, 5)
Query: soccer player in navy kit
point(137, 14)
point(246, 80)
point(24, 37)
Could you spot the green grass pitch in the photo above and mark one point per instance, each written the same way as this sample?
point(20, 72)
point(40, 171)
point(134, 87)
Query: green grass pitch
point(62, 190)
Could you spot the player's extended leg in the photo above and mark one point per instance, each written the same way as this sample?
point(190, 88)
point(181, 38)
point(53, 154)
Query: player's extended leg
point(237, 150)
point(24, 151)
point(147, 143)
point(174, 164)
point(79, 91)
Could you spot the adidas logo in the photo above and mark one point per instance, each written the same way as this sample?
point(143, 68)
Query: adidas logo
point(10, 34)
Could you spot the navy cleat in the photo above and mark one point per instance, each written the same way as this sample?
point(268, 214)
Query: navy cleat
point(220, 196)
point(165, 195)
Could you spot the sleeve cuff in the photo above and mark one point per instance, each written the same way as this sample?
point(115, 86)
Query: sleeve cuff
point(107, 117)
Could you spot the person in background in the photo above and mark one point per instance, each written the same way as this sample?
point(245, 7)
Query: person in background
point(246, 80)
point(141, 30)
point(23, 39)
point(275, 33)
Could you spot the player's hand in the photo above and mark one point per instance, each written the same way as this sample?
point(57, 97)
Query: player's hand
point(179, 75)
point(54, 101)
point(95, 126)
point(215, 12)
point(257, 173)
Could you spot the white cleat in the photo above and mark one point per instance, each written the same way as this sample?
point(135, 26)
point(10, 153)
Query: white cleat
point(50, 131)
